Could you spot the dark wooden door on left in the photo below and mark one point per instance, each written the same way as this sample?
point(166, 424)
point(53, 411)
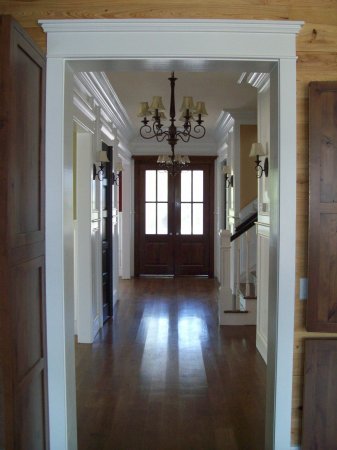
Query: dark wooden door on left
point(107, 278)
point(23, 380)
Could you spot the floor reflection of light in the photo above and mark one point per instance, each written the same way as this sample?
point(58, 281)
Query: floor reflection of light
point(154, 361)
point(191, 331)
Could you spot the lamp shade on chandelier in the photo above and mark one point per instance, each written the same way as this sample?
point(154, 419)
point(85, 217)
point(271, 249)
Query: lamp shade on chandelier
point(153, 126)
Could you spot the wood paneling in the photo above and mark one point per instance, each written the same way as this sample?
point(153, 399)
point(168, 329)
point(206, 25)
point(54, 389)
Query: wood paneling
point(22, 234)
point(322, 269)
point(320, 395)
point(316, 51)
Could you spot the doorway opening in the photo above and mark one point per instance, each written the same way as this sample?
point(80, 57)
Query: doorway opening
point(271, 51)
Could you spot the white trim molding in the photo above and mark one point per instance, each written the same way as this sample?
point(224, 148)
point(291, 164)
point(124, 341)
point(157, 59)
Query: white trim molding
point(264, 46)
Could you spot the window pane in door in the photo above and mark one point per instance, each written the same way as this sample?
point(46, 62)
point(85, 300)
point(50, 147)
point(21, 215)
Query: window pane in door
point(186, 186)
point(162, 184)
point(198, 225)
point(150, 218)
point(150, 185)
point(186, 218)
point(161, 218)
point(198, 185)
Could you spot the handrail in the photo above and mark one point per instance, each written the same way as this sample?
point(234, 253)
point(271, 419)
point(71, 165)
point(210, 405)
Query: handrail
point(244, 226)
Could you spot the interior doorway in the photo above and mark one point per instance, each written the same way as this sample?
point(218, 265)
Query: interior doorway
point(269, 47)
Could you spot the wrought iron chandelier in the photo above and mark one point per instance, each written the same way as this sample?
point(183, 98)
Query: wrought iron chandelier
point(172, 163)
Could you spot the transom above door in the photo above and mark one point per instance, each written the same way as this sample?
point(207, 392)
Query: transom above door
point(174, 218)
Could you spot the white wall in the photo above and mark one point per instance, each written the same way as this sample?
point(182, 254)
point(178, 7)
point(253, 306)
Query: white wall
point(263, 228)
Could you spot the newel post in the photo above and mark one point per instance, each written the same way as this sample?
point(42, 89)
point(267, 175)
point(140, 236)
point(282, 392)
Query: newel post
point(225, 292)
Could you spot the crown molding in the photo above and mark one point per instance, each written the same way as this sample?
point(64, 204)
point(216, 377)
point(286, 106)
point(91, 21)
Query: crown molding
point(259, 80)
point(172, 25)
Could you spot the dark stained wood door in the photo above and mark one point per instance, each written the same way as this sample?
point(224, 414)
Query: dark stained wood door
point(174, 218)
point(154, 251)
point(194, 200)
point(107, 278)
point(322, 260)
point(22, 248)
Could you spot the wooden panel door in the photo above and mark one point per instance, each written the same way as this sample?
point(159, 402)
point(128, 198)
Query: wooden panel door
point(22, 235)
point(322, 262)
point(153, 239)
point(319, 430)
point(107, 278)
point(194, 200)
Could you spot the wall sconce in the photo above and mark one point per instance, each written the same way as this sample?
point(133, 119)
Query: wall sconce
point(98, 170)
point(117, 171)
point(229, 179)
point(256, 151)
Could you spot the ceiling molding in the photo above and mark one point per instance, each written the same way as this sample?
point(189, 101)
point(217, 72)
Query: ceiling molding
point(258, 80)
point(172, 25)
point(113, 111)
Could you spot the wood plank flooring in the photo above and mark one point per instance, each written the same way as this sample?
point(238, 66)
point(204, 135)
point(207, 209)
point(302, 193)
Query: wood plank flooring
point(164, 376)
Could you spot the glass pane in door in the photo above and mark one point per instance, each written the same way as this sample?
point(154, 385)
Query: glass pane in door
point(198, 218)
point(186, 219)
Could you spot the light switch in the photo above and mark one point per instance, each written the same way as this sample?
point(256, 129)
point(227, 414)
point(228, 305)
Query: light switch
point(303, 288)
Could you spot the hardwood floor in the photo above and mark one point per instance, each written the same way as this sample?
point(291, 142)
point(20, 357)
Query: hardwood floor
point(163, 375)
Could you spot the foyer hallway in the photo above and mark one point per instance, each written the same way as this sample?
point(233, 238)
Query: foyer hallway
point(164, 376)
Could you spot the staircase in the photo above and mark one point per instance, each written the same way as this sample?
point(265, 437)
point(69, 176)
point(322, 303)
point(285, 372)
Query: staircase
point(238, 306)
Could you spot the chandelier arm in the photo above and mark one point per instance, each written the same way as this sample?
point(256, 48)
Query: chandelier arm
point(200, 130)
point(183, 136)
point(147, 132)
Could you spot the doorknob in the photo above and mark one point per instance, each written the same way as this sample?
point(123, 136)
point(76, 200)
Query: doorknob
point(177, 234)
point(170, 234)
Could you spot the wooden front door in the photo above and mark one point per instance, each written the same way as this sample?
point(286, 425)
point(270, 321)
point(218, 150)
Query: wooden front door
point(23, 376)
point(174, 219)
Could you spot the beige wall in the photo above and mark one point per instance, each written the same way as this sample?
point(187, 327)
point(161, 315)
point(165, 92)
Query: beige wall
point(248, 181)
point(316, 51)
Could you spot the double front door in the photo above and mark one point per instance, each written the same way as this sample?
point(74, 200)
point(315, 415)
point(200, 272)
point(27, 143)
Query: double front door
point(174, 219)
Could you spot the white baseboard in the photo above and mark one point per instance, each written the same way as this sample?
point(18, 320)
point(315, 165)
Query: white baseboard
point(261, 345)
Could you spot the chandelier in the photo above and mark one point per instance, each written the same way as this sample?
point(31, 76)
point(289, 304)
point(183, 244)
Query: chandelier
point(172, 163)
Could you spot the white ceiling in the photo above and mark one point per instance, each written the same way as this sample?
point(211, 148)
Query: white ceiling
point(219, 90)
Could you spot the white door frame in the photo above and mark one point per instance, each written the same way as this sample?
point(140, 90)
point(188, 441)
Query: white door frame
point(77, 45)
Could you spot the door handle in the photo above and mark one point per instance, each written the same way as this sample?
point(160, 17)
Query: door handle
point(177, 234)
point(170, 234)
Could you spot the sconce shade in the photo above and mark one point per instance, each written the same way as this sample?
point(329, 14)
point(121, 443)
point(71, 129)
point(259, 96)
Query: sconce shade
point(201, 109)
point(257, 149)
point(187, 104)
point(157, 103)
point(144, 110)
point(103, 157)
point(226, 170)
